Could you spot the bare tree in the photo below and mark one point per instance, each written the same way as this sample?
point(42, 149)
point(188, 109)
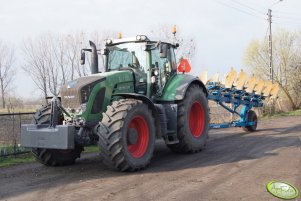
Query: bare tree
point(187, 48)
point(60, 53)
point(51, 59)
point(286, 63)
point(35, 65)
point(7, 71)
point(73, 46)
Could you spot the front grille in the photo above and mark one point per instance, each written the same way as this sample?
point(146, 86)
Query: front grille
point(71, 92)
point(70, 98)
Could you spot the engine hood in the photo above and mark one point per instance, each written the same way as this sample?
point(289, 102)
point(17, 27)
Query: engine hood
point(84, 90)
point(71, 92)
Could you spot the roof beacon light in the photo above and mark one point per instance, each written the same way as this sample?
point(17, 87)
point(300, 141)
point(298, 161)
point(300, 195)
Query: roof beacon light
point(174, 30)
point(119, 35)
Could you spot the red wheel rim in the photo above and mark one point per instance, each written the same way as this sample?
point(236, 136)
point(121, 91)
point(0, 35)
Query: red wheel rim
point(196, 119)
point(138, 149)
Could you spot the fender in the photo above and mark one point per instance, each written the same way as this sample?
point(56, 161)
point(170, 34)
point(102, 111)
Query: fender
point(150, 104)
point(177, 86)
point(141, 97)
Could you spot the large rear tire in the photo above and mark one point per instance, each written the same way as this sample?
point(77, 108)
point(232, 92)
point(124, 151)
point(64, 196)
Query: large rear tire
point(193, 122)
point(53, 157)
point(127, 135)
point(251, 117)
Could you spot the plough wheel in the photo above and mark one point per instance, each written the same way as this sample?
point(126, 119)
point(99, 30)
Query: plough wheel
point(251, 117)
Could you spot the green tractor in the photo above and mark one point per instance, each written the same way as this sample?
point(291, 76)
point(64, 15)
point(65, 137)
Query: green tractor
point(139, 98)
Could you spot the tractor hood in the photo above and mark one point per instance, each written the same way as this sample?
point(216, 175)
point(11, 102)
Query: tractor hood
point(95, 90)
point(77, 91)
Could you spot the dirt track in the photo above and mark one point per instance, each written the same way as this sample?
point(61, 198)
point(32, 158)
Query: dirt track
point(234, 166)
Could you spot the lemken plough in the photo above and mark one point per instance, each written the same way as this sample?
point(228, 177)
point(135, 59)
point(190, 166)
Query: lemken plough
point(235, 91)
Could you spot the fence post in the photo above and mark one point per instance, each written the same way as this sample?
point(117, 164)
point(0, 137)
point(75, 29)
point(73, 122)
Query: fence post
point(14, 134)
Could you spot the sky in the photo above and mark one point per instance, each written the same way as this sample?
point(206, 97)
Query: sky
point(222, 28)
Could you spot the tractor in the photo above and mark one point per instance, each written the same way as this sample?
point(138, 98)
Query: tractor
point(141, 96)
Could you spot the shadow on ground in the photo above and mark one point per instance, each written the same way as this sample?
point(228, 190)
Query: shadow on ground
point(231, 146)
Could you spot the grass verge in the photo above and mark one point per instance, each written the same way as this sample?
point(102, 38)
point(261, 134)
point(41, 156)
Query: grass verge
point(14, 160)
point(284, 114)
point(27, 158)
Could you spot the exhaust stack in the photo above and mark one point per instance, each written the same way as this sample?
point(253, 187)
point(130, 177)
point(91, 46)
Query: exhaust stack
point(94, 58)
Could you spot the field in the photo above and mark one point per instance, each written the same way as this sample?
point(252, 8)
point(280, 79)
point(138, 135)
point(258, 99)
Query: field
point(234, 166)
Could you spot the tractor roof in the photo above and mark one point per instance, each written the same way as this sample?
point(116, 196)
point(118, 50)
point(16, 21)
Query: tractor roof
point(138, 38)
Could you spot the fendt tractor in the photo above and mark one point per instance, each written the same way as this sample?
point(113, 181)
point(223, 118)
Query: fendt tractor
point(141, 96)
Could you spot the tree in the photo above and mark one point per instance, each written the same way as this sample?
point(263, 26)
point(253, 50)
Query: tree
point(7, 71)
point(187, 48)
point(286, 63)
point(36, 63)
point(52, 59)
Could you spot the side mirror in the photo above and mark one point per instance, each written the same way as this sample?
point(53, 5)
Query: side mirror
point(163, 50)
point(82, 57)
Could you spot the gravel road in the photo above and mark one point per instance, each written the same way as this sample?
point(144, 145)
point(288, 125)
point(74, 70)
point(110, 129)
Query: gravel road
point(234, 166)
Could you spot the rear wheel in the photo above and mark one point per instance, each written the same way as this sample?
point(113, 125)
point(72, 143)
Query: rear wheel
point(54, 157)
point(251, 117)
point(193, 122)
point(127, 135)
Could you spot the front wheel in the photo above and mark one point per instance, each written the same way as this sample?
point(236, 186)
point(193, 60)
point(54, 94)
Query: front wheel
point(193, 122)
point(127, 135)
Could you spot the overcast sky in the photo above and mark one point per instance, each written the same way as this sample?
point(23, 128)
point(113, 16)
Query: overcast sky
point(222, 28)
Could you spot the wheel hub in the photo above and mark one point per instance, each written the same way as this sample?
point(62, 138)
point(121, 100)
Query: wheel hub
point(132, 136)
point(196, 119)
point(137, 136)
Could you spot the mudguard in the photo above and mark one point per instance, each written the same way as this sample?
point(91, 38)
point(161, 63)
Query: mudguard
point(177, 86)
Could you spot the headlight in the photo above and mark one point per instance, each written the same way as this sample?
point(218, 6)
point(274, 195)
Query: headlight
point(86, 92)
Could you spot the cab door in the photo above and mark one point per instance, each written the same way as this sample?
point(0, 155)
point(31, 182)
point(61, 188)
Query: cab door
point(162, 69)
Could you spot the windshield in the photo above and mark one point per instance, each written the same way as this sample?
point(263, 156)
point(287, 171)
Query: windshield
point(127, 55)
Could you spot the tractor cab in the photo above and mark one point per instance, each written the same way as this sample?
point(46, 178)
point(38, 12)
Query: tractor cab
point(153, 63)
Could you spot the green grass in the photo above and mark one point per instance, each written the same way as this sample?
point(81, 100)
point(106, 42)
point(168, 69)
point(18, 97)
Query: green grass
point(284, 114)
point(90, 149)
point(27, 158)
point(14, 160)
point(4, 111)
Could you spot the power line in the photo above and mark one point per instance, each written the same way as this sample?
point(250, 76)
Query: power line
point(247, 6)
point(237, 9)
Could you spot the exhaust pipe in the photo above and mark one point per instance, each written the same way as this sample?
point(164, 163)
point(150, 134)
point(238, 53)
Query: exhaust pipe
point(94, 58)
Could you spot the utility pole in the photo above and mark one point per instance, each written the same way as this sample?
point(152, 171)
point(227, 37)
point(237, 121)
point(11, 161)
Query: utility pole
point(270, 46)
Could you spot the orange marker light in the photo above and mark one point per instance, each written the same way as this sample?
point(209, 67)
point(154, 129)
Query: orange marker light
point(119, 35)
point(174, 29)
